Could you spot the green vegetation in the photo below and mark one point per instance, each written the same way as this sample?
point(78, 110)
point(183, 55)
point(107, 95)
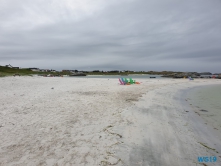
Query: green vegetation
point(7, 71)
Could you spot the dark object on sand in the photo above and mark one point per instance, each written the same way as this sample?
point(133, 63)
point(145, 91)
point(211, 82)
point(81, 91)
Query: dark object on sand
point(152, 77)
point(204, 110)
point(16, 75)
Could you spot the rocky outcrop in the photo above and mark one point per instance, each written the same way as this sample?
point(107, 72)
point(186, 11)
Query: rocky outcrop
point(182, 75)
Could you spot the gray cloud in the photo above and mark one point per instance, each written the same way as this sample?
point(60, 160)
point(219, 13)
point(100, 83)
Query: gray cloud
point(131, 34)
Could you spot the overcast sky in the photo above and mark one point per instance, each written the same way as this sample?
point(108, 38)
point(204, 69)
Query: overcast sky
point(117, 34)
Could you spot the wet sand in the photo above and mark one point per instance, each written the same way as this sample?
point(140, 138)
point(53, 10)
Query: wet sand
point(206, 101)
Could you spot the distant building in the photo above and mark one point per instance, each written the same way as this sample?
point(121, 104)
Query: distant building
point(45, 70)
point(9, 66)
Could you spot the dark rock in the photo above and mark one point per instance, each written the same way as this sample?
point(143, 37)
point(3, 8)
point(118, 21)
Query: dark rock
point(78, 74)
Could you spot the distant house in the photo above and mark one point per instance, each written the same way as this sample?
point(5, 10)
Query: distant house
point(45, 70)
point(41, 70)
point(9, 66)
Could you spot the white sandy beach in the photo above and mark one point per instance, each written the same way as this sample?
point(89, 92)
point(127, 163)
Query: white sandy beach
point(92, 121)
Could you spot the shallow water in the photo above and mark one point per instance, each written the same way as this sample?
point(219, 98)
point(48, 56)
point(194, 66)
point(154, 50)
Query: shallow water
point(206, 101)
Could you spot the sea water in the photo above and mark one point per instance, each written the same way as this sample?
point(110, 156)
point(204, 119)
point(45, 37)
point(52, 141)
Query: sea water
point(206, 101)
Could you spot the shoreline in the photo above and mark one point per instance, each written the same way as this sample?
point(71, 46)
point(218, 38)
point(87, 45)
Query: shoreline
point(208, 130)
point(205, 101)
point(207, 135)
point(167, 132)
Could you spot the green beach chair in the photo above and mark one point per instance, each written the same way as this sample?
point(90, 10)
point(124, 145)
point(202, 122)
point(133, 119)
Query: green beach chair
point(132, 81)
point(126, 80)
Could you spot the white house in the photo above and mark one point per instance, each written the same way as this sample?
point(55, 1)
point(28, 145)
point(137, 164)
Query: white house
point(9, 66)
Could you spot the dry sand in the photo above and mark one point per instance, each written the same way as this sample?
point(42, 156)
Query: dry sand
point(91, 122)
